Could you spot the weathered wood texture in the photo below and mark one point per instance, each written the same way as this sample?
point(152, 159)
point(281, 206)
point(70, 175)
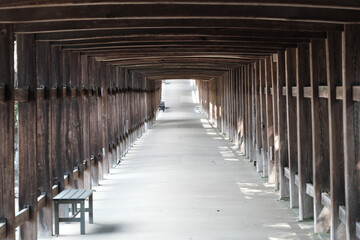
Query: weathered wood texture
point(351, 114)
point(7, 184)
point(28, 161)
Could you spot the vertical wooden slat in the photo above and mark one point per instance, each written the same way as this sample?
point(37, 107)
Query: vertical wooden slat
point(304, 139)
point(351, 114)
point(290, 78)
point(7, 196)
point(43, 142)
point(320, 134)
point(281, 144)
point(28, 187)
point(336, 137)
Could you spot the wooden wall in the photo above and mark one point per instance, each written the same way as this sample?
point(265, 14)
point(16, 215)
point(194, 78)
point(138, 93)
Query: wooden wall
point(76, 117)
point(295, 114)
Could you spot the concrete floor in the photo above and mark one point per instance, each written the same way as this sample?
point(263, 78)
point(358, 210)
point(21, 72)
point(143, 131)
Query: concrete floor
point(183, 180)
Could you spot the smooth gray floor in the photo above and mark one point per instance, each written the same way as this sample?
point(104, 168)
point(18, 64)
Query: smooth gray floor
point(183, 180)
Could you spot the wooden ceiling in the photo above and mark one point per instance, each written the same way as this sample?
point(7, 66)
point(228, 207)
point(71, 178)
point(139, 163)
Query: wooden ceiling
point(178, 39)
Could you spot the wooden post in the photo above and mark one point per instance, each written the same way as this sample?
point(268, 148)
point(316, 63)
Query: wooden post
point(28, 187)
point(85, 121)
point(67, 127)
point(351, 110)
point(336, 137)
point(263, 118)
point(320, 134)
point(290, 78)
point(7, 210)
point(258, 144)
point(281, 144)
point(45, 181)
point(304, 140)
point(269, 129)
point(57, 147)
point(78, 154)
point(275, 119)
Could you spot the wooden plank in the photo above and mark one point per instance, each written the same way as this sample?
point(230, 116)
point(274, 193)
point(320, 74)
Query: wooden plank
point(41, 202)
point(336, 139)
point(269, 71)
point(290, 78)
point(43, 141)
point(7, 209)
point(304, 138)
point(339, 93)
point(351, 111)
point(27, 112)
point(294, 91)
point(22, 217)
point(55, 190)
point(283, 91)
point(310, 190)
point(320, 133)
point(326, 200)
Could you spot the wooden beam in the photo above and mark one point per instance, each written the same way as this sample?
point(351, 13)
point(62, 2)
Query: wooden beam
point(22, 217)
point(183, 11)
point(3, 230)
point(7, 209)
point(175, 23)
point(351, 73)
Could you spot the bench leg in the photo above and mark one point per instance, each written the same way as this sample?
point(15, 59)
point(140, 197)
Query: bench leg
point(91, 218)
point(82, 217)
point(56, 204)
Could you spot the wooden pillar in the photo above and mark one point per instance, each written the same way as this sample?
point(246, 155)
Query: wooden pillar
point(77, 150)
point(263, 118)
point(336, 137)
point(320, 134)
point(7, 196)
point(281, 143)
point(351, 110)
point(258, 139)
point(253, 114)
point(28, 187)
point(57, 147)
point(273, 93)
point(45, 181)
point(67, 127)
point(269, 129)
point(85, 121)
point(290, 78)
point(304, 139)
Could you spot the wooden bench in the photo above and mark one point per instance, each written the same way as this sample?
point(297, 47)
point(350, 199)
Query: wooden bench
point(74, 197)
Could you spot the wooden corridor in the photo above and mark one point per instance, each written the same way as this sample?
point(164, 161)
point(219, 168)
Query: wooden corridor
point(281, 78)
